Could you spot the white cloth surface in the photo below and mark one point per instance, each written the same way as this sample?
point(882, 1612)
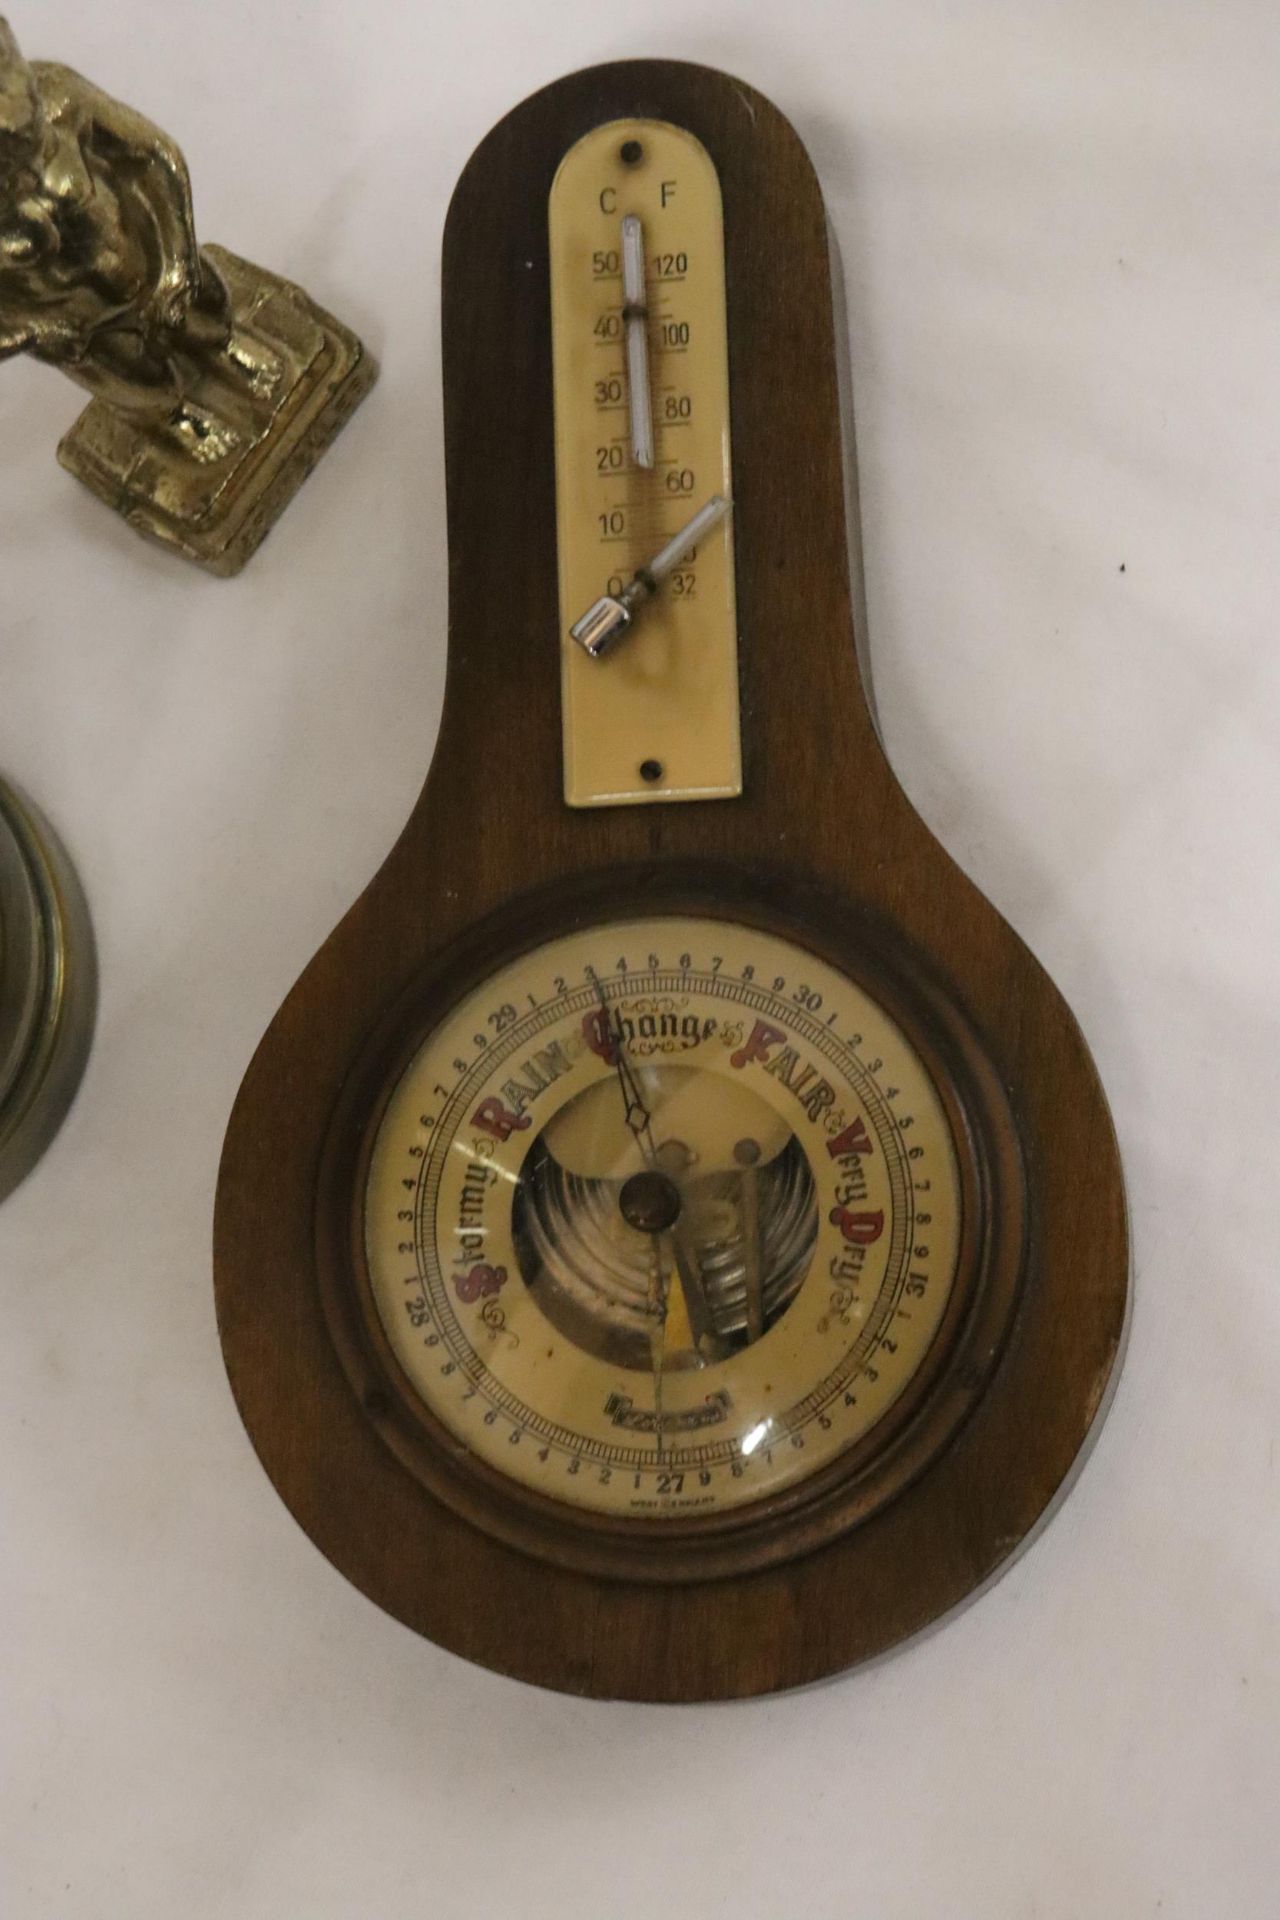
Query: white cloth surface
point(1058, 232)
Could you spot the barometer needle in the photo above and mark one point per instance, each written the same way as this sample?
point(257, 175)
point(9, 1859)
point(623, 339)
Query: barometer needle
point(658, 1338)
point(635, 1112)
point(706, 1343)
point(609, 617)
point(635, 318)
point(638, 1119)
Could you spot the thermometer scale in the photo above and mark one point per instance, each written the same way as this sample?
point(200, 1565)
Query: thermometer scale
point(670, 1244)
point(642, 439)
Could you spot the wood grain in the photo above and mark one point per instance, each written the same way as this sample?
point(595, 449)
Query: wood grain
point(822, 832)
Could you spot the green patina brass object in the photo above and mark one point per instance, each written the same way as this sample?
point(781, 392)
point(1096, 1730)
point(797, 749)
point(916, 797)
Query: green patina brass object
point(217, 385)
point(48, 986)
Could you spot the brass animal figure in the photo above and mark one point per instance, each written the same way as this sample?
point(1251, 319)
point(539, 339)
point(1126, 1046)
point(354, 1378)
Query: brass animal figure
point(216, 384)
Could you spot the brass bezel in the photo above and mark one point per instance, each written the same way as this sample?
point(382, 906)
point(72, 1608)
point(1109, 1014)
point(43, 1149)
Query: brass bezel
point(48, 986)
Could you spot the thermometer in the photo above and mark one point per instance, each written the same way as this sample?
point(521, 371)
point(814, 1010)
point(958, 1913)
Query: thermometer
point(644, 458)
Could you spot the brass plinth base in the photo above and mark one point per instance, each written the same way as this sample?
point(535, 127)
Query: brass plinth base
point(213, 481)
point(48, 986)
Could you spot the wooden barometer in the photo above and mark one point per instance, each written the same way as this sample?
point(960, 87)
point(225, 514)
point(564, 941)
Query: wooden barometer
point(670, 1243)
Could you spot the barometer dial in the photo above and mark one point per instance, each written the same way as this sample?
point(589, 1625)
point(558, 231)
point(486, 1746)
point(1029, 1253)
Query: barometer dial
point(663, 1217)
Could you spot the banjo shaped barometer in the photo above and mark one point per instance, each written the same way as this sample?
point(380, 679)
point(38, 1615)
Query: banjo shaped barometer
point(670, 1243)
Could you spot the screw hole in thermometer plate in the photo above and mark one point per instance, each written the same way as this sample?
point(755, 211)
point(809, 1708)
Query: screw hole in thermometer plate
point(668, 695)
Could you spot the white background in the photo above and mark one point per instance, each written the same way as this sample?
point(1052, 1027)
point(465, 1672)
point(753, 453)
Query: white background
point(1058, 226)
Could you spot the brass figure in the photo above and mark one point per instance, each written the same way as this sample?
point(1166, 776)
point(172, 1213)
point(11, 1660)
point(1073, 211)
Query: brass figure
point(217, 385)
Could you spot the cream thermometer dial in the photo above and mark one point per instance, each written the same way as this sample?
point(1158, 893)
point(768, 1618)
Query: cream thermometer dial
point(643, 470)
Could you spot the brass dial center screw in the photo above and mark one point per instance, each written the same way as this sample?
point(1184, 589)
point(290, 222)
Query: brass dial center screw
point(650, 1201)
